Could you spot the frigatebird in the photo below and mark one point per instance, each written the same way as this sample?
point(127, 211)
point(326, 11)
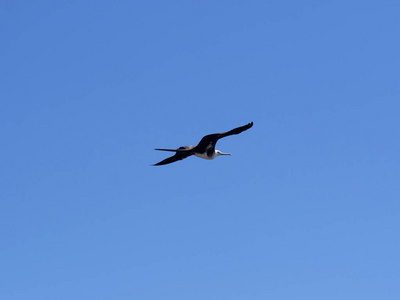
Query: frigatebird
point(205, 149)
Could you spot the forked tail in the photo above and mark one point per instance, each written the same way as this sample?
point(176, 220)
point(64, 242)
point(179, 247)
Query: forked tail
point(171, 150)
point(181, 149)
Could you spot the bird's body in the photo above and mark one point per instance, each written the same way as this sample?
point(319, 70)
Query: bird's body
point(205, 148)
point(212, 156)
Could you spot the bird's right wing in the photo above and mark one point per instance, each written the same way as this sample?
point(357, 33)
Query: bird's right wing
point(237, 130)
point(211, 139)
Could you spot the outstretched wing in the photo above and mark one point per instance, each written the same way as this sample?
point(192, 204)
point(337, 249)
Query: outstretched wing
point(208, 142)
point(180, 154)
point(176, 157)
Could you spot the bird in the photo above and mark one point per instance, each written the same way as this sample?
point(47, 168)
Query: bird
point(204, 149)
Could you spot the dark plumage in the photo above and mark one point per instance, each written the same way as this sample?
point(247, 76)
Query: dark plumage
point(204, 149)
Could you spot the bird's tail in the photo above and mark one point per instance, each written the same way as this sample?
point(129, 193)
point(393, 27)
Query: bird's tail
point(174, 150)
point(171, 150)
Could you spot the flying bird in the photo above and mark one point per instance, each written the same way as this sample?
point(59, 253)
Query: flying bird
point(205, 149)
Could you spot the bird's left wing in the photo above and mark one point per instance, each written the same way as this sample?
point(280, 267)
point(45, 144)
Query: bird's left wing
point(176, 157)
point(180, 154)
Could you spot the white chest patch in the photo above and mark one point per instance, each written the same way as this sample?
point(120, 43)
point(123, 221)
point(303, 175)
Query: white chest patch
point(204, 155)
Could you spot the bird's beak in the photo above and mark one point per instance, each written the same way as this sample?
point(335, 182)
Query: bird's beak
point(225, 153)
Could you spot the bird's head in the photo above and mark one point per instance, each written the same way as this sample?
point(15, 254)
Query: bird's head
point(217, 152)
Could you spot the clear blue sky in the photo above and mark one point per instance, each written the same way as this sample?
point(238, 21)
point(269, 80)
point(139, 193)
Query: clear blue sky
point(307, 207)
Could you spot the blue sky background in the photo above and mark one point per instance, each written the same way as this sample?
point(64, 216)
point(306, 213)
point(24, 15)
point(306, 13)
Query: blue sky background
point(307, 207)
